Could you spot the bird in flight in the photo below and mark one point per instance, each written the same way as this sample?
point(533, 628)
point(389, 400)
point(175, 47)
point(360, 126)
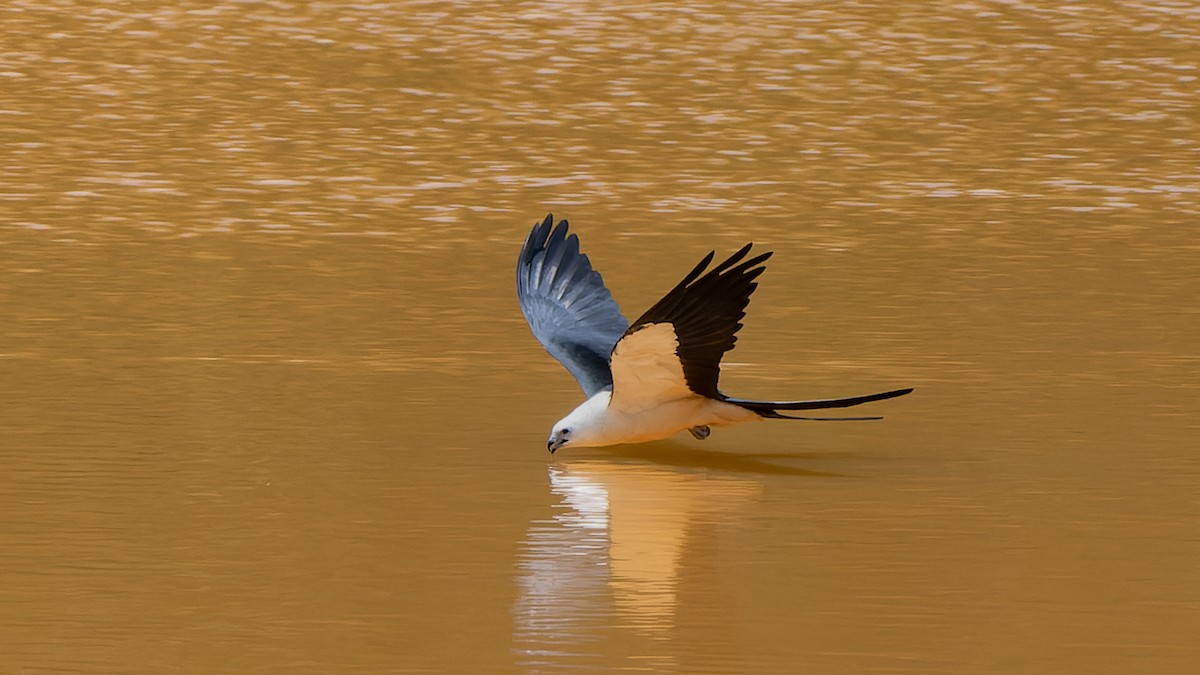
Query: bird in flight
point(658, 376)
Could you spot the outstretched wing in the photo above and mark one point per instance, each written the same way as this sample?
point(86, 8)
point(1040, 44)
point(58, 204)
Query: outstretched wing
point(566, 304)
point(675, 348)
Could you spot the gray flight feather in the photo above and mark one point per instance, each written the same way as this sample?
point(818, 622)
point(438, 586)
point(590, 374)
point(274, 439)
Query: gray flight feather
point(567, 306)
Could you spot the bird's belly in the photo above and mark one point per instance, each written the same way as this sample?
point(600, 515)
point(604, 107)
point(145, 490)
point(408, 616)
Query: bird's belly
point(674, 416)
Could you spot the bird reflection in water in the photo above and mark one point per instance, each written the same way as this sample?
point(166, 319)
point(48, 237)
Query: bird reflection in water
point(600, 581)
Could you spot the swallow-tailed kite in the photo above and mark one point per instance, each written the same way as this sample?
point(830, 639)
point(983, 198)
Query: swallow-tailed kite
point(659, 376)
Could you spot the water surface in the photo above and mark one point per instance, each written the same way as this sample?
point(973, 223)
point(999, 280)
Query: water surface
point(267, 403)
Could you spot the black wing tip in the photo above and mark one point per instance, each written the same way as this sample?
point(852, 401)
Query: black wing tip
point(696, 271)
point(733, 259)
point(756, 261)
point(736, 264)
point(541, 230)
point(760, 258)
point(701, 271)
point(542, 235)
point(548, 222)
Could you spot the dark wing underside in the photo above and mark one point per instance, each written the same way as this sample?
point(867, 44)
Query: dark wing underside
point(705, 313)
point(567, 305)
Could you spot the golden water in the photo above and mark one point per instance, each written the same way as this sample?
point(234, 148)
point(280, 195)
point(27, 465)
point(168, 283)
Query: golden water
point(267, 404)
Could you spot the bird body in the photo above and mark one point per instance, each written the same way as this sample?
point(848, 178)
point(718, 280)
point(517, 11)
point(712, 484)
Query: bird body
point(658, 376)
point(597, 422)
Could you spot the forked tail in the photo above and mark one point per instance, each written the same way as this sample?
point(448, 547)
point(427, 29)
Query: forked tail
point(770, 409)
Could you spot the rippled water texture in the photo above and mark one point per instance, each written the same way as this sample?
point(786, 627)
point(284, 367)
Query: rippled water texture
point(267, 404)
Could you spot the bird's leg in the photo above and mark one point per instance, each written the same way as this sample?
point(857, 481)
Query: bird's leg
point(700, 433)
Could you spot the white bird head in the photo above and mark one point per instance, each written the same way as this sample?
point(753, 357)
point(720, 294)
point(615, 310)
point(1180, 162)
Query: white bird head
point(584, 427)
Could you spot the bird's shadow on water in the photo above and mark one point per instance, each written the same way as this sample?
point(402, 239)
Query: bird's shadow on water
point(679, 455)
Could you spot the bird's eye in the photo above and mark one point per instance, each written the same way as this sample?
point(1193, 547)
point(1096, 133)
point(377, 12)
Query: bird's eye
point(564, 432)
